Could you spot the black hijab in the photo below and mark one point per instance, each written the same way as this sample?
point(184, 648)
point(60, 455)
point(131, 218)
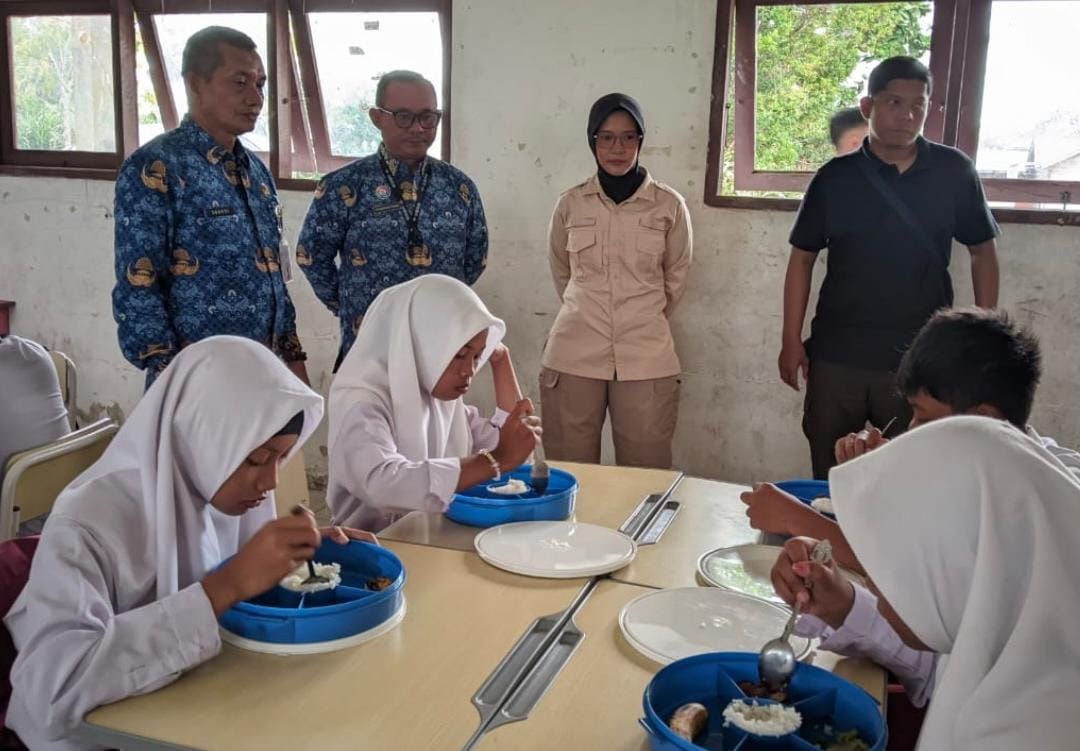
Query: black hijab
point(617, 187)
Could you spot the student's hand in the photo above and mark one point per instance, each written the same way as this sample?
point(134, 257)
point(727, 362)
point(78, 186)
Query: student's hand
point(500, 353)
point(342, 535)
point(771, 509)
point(518, 436)
point(820, 589)
point(792, 360)
point(857, 444)
point(267, 558)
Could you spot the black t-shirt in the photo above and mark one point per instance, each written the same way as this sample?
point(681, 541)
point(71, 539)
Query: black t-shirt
point(882, 283)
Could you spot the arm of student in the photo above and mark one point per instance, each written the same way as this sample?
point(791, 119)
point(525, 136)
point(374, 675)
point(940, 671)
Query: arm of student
point(507, 388)
point(677, 257)
point(80, 653)
point(985, 273)
point(558, 257)
point(866, 634)
point(143, 231)
point(320, 242)
point(476, 241)
point(800, 273)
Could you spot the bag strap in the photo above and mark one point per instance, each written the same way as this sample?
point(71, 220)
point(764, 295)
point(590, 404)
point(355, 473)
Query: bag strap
point(897, 205)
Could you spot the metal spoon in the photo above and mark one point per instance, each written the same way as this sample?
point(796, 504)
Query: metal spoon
point(776, 662)
point(539, 475)
point(313, 578)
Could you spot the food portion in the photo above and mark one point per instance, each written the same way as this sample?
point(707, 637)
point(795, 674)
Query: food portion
point(761, 691)
point(689, 721)
point(297, 581)
point(770, 719)
point(512, 487)
point(379, 583)
point(823, 736)
point(822, 505)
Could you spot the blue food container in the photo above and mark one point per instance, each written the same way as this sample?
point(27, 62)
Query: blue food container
point(281, 616)
point(829, 705)
point(479, 507)
point(806, 490)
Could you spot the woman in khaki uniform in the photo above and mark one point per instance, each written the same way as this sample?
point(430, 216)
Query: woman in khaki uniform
point(620, 248)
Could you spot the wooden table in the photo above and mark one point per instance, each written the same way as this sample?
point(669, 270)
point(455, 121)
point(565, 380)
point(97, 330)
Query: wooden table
point(606, 496)
point(408, 689)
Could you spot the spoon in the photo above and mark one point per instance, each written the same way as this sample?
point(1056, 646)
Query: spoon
point(776, 662)
point(313, 577)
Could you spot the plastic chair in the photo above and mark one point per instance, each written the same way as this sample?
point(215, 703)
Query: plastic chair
point(34, 478)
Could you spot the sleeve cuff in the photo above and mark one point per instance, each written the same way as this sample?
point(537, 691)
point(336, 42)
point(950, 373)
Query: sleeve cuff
point(857, 626)
point(194, 627)
point(499, 418)
point(443, 475)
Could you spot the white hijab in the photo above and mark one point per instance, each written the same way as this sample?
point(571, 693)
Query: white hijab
point(407, 339)
point(219, 399)
point(969, 528)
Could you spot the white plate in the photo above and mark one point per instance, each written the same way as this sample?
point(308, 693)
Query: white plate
point(747, 568)
point(311, 648)
point(671, 624)
point(555, 550)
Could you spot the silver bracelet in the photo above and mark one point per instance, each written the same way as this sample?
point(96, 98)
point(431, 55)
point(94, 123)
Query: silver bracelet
point(494, 464)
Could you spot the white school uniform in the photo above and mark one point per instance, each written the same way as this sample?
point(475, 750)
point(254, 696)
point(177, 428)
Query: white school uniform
point(114, 606)
point(394, 447)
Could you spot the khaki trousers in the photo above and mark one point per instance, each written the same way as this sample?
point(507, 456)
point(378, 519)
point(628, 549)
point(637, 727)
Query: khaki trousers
point(643, 417)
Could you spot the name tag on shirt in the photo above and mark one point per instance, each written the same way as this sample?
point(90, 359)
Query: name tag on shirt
point(215, 212)
point(387, 208)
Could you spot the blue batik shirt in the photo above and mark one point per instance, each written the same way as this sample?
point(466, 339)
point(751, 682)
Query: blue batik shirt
point(355, 241)
point(198, 232)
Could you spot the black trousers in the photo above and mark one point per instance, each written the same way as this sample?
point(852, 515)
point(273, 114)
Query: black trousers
point(841, 400)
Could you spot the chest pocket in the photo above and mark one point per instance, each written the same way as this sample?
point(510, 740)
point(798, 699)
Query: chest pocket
point(651, 243)
point(585, 248)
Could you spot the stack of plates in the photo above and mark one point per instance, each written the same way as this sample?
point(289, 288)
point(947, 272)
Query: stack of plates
point(555, 550)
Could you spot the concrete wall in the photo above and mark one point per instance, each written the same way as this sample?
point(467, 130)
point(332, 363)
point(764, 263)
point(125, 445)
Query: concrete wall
point(524, 77)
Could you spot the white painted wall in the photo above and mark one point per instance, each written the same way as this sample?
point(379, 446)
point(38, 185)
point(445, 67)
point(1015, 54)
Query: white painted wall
point(525, 74)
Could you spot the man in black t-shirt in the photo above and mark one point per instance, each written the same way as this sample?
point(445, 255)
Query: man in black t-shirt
point(888, 214)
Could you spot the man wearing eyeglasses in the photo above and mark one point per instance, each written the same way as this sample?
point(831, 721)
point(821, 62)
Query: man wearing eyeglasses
point(392, 216)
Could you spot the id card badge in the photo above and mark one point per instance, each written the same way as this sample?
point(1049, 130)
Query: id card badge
point(285, 260)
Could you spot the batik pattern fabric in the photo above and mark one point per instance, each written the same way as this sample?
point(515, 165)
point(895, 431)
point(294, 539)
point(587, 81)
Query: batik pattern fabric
point(198, 230)
point(355, 239)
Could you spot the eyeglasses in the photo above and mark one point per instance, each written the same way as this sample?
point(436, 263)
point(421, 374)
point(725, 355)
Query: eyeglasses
point(404, 119)
point(607, 140)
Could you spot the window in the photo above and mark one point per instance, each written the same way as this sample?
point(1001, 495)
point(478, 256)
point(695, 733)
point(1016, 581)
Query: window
point(781, 69)
point(88, 88)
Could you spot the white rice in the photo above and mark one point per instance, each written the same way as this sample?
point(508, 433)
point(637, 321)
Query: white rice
point(295, 580)
point(512, 487)
point(824, 505)
point(762, 719)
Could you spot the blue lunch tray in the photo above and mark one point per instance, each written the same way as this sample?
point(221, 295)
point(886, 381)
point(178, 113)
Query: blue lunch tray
point(806, 491)
point(822, 698)
point(479, 507)
point(281, 616)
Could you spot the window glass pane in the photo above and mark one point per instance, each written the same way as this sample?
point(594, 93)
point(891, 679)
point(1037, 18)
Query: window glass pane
point(150, 124)
point(813, 60)
point(1030, 123)
point(173, 32)
point(63, 83)
point(352, 51)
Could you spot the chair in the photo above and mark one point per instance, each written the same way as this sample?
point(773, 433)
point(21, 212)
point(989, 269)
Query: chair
point(292, 485)
point(34, 478)
point(68, 375)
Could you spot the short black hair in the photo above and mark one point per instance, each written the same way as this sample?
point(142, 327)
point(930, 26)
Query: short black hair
point(202, 52)
point(902, 67)
point(397, 76)
point(844, 120)
point(965, 357)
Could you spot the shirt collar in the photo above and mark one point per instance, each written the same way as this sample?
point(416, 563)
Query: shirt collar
point(204, 143)
point(924, 157)
point(397, 165)
point(645, 192)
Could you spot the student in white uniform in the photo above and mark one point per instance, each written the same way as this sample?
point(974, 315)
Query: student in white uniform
point(32, 411)
point(974, 569)
point(401, 437)
point(123, 593)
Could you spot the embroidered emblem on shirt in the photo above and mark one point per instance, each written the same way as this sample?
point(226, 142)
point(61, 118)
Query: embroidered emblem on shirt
point(267, 261)
point(320, 190)
point(348, 197)
point(382, 192)
point(264, 189)
point(154, 179)
point(183, 264)
point(419, 255)
point(215, 154)
point(141, 273)
point(356, 257)
point(303, 258)
point(466, 195)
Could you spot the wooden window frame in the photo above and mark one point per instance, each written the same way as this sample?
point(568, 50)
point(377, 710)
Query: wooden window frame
point(958, 53)
point(296, 108)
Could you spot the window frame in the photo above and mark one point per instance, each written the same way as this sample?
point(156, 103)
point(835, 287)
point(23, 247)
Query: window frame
point(299, 132)
point(958, 53)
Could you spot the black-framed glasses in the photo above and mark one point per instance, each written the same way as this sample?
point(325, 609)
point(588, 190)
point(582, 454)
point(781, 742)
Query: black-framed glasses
point(607, 140)
point(404, 118)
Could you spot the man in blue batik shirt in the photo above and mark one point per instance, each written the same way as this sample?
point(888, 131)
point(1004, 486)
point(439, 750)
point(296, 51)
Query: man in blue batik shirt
point(198, 223)
point(392, 216)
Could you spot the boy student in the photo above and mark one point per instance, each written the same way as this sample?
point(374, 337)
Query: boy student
point(888, 213)
point(847, 129)
point(964, 361)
